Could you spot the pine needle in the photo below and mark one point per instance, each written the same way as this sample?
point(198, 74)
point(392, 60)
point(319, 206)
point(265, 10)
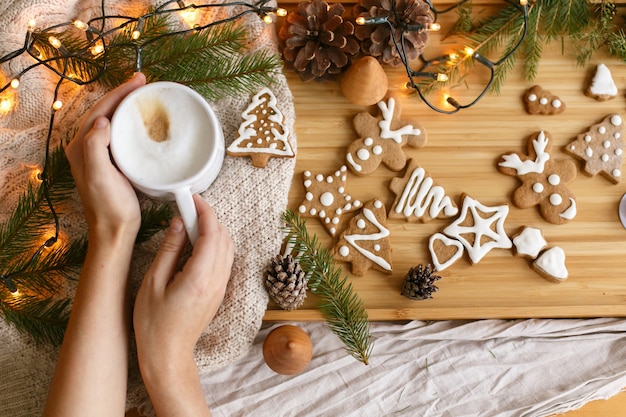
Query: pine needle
point(341, 307)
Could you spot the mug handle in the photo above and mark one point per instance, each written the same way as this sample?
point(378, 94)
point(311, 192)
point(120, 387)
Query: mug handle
point(187, 209)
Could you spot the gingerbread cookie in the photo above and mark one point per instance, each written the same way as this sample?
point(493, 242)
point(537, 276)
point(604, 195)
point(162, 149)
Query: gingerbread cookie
point(602, 148)
point(365, 242)
point(326, 198)
point(540, 101)
point(544, 181)
point(529, 242)
point(418, 198)
point(602, 86)
point(262, 135)
point(444, 251)
point(551, 265)
point(382, 139)
point(479, 228)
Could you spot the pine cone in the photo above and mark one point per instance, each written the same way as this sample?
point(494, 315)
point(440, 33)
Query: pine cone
point(318, 42)
point(377, 41)
point(419, 283)
point(286, 282)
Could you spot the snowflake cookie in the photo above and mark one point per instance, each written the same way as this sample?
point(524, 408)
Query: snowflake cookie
point(602, 148)
point(326, 198)
point(544, 181)
point(418, 198)
point(382, 139)
point(365, 242)
point(262, 134)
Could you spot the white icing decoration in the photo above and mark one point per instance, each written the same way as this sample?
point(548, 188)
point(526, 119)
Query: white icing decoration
point(319, 177)
point(602, 130)
point(552, 263)
point(616, 120)
point(529, 242)
point(556, 103)
point(344, 251)
point(335, 220)
point(604, 157)
point(353, 164)
point(368, 141)
point(327, 199)
point(338, 211)
point(309, 196)
point(332, 231)
point(246, 130)
point(329, 180)
point(570, 212)
point(606, 144)
point(543, 101)
point(360, 224)
point(587, 138)
point(622, 211)
point(481, 226)
point(538, 187)
point(616, 172)
point(377, 150)
point(556, 199)
point(513, 160)
point(617, 135)
point(377, 204)
point(307, 183)
point(363, 154)
point(387, 109)
point(588, 152)
point(322, 214)
point(602, 83)
point(618, 152)
point(532, 97)
point(554, 179)
point(448, 242)
point(313, 212)
point(377, 247)
point(302, 209)
point(419, 193)
point(307, 173)
point(381, 234)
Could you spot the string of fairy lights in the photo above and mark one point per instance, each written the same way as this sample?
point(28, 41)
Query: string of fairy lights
point(91, 55)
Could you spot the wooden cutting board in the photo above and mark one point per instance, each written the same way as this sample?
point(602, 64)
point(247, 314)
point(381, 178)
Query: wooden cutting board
point(461, 155)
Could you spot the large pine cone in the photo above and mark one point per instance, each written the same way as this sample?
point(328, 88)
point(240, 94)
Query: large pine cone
point(318, 41)
point(377, 41)
point(286, 282)
point(419, 283)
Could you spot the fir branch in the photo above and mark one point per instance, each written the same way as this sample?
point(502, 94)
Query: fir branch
point(43, 319)
point(154, 218)
point(341, 307)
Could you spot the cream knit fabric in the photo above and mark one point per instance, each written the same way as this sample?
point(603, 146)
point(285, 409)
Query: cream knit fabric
point(248, 200)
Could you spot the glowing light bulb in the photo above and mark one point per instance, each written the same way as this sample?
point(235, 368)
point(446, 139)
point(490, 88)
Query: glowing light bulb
point(6, 104)
point(97, 49)
point(360, 20)
point(453, 56)
point(441, 77)
point(15, 82)
point(523, 2)
point(55, 42)
point(136, 34)
point(433, 27)
point(468, 51)
point(32, 24)
point(281, 12)
point(81, 25)
point(189, 16)
point(57, 105)
point(268, 19)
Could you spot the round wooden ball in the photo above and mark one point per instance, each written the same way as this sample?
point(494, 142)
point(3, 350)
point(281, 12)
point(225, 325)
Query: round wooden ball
point(287, 350)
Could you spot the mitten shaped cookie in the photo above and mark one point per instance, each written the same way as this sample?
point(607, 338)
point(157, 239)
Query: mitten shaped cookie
point(382, 139)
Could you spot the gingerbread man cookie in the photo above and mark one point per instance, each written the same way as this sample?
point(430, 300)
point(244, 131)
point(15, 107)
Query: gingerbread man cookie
point(544, 181)
point(326, 198)
point(602, 148)
point(382, 139)
point(540, 101)
point(365, 242)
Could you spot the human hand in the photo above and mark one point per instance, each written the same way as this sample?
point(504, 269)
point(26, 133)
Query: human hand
point(110, 203)
point(172, 309)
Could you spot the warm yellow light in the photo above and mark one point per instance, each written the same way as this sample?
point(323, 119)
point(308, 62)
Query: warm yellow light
point(453, 56)
point(523, 2)
point(441, 77)
point(15, 82)
point(81, 25)
point(6, 104)
point(281, 12)
point(468, 51)
point(32, 24)
point(434, 27)
point(268, 19)
point(57, 105)
point(97, 49)
point(360, 20)
point(189, 16)
point(55, 42)
point(136, 34)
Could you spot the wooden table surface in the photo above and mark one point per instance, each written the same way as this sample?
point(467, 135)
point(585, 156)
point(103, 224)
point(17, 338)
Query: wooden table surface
point(461, 156)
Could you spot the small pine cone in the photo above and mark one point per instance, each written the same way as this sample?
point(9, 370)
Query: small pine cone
point(318, 41)
point(419, 283)
point(377, 40)
point(286, 282)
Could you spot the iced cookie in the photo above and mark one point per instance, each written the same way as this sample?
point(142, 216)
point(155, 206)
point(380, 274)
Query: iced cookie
point(602, 148)
point(529, 242)
point(540, 101)
point(544, 181)
point(551, 265)
point(382, 138)
point(444, 251)
point(418, 198)
point(602, 86)
point(365, 242)
point(326, 198)
point(480, 228)
point(262, 134)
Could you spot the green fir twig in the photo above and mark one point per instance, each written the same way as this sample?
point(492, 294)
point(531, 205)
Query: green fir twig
point(341, 307)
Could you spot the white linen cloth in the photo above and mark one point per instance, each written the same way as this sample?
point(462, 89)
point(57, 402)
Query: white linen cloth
point(488, 368)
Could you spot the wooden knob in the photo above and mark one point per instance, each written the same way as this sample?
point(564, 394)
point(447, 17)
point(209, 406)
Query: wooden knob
point(287, 350)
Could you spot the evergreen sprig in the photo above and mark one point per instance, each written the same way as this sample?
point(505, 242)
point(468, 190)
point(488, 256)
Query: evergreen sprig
point(341, 307)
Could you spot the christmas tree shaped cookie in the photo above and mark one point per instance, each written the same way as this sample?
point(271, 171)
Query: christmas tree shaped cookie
point(382, 139)
point(262, 134)
point(365, 243)
point(601, 147)
point(418, 198)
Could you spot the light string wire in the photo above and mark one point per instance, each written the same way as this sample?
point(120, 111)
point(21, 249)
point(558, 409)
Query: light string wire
point(96, 38)
point(400, 45)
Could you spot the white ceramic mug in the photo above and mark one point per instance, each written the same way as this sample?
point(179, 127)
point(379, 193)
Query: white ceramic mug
point(168, 142)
